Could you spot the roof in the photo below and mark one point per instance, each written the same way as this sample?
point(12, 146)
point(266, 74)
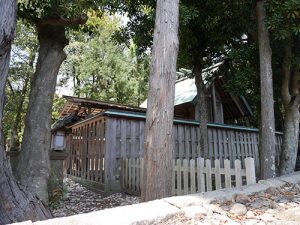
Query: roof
point(95, 106)
point(185, 88)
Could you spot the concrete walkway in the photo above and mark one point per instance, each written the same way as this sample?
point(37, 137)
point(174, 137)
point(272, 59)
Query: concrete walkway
point(168, 209)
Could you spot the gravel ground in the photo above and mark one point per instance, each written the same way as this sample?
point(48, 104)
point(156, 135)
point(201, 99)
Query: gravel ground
point(79, 199)
point(274, 206)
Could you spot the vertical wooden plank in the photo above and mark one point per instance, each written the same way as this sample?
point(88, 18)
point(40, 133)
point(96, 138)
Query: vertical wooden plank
point(193, 176)
point(138, 174)
point(175, 141)
point(130, 174)
point(216, 141)
point(173, 177)
point(179, 184)
point(123, 138)
point(238, 176)
point(187, 140)
point(180, 142)
point(256, 154)
point(111, 165)
point(97, 150)
point(232, 148)
point(218, 174)
point(102, 148)
point(142, 172)
point(193, 143)
point(142, 137)
point(227, 169)
point(220, 144)
point(225, 146)
point(208, 175)
point(250, 171)
point(242, 145)
point(185, 176)
point(134, 174)
point(210, 142)
point(200, 174)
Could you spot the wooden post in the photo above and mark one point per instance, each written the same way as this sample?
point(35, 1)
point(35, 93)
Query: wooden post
point(250, 171)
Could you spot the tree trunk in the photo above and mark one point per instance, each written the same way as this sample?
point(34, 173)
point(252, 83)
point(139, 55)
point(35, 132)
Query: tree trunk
point(267, 151)
point(291, 100)
point(34, 164)
point(15, 204)
point(290, 140)
point(160, 110)
point(203, 109)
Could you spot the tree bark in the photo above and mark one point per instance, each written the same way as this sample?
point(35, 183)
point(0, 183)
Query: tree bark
point(34, 164)
point(291, 101)
point(267, 151)
point(158, 156)
point(203, 109)
point(15, 204)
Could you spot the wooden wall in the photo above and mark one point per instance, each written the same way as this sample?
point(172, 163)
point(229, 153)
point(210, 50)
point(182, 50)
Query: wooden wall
point(98, 146)
point(87, 151)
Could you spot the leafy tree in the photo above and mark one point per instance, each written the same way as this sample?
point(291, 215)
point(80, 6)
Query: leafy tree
point(15, 204)
point(21, 71)
point(283, 21)
point(52, 19)
point(103, 69)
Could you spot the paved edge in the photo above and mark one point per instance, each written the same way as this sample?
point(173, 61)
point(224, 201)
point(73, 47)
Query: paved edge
point(159, 209)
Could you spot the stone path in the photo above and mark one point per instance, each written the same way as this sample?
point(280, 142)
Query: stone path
point(79, 199)
point(274, 206)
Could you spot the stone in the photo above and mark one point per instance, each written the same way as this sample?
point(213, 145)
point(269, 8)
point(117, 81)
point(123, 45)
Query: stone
point(266, 217)
point(250, 215)
point(194, 211)
point(272, 191)
point(238, 209)
point(289, 214)
point(257, 204)
point(243, 199)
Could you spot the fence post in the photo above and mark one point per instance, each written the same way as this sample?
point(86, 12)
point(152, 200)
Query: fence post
point(250, 171)
point(238, 175)
point(227, 169)
point(185, 177)
point(192, 172)
point(208, 175)
point(218, 174)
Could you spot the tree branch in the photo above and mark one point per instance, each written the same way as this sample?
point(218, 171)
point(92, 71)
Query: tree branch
point(64, 22)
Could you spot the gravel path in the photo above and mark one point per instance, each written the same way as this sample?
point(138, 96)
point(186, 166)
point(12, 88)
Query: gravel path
point(79, 199)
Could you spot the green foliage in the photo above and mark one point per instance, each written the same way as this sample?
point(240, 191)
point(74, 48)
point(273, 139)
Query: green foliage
point(283, 18)
point(102, 69)
point(34, 10)
point(58, 103)
point(21, 71)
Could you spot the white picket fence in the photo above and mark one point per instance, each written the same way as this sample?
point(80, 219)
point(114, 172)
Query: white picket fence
point(192, 176)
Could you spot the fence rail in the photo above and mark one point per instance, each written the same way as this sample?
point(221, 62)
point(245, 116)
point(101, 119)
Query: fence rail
point(192, 176)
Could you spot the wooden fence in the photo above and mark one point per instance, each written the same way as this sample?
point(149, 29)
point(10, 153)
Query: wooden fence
point(86, 146)
point(192, 176)
point(98, 145)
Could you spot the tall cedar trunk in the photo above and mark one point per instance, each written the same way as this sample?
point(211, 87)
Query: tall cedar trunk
point(34, 164)
point(157, 181)
point(15, 204)
point(291, 101)
point(267, 151)
point(203, 109)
